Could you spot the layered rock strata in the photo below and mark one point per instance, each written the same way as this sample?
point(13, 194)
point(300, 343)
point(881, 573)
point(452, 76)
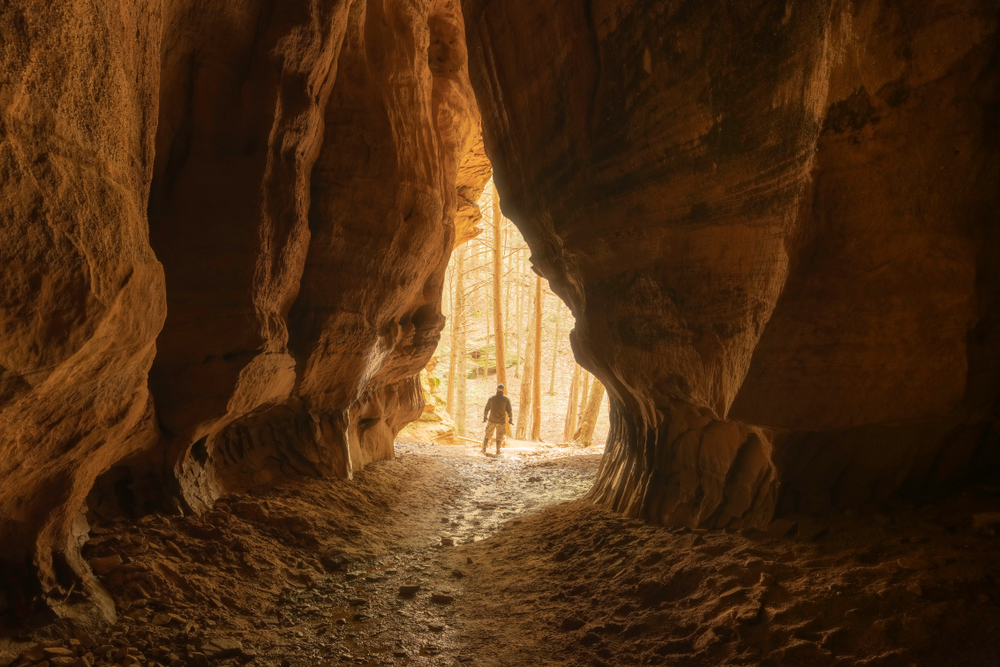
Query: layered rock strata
point(254, 204)
point(775, 223)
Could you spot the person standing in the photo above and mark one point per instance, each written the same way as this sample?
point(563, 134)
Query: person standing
point(498, 412)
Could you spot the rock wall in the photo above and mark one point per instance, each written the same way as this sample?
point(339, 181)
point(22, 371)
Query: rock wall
point(253, 203)
point(775, 223)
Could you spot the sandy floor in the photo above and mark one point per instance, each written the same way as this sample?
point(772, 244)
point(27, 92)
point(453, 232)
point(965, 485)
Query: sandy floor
point(510, 570)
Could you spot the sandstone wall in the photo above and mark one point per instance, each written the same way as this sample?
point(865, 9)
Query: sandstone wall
point(253, 203)
point(775, 223)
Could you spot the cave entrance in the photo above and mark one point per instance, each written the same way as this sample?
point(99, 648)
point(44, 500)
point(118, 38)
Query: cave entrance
point(490, 286)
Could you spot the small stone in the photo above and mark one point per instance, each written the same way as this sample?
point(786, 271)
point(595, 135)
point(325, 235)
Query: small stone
point(198, 659)
point(914, 563)
point(219, 648)
point(361, 616)
point(341, 621)
point(750, 614)
point(766, 579)
point(916, 589)
point(34, 654)
point(468, 560)
point(160, 619)
point(812, 531)
point(442, 598)
point(399, 654)
point(357, 602)
point(351, 576)
point(448, 541)
point(458, 574)
point(106, 564)
point(781, 528)
point(58, 652)
point(572, 623)
point(408, 590)
point(435, 627)
point(391, 571)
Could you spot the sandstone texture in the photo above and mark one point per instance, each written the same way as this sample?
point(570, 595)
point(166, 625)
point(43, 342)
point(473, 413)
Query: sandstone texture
point(225, 231)
point(776, 225)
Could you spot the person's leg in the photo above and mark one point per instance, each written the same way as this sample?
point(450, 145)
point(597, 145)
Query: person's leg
point(486, 436)
point(501, 432)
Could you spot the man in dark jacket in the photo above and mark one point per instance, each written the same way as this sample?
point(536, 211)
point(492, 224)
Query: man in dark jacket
point(498, 412)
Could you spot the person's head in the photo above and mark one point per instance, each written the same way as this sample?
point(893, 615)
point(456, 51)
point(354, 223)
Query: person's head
point(499, 388)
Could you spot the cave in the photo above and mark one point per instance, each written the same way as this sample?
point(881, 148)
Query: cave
point(225, 233)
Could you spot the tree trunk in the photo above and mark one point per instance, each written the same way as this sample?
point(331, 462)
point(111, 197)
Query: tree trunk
point(536, 396)
point(459, 350)
point(574, 396)
point(555, 349)
point(486, 350)
point(524, 402)
point(520, 318)
point(585, 433)
point(497, 309)
point(584, 395)
point(453, 343)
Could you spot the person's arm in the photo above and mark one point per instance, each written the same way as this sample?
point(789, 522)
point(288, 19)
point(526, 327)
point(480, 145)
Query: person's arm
point(510, 411)
point(486, 411)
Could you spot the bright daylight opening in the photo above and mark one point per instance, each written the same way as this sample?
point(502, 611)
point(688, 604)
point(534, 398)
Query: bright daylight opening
point(557, 406)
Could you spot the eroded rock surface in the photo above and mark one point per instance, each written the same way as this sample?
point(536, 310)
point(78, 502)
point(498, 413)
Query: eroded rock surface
point(775, 223)
point(301, 171)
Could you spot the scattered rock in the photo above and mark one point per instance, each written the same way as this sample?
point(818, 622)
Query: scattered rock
point(781, 528)
point(435, 627)
point(812, 531)
point(572, 623)
point(448, 541)
point(57, 652)
point(915, 563)
point(468, 560)
point(442, 598)
point(409, 590)
point(357, 602)
point(106, 564)
point(219, 648)
point(458, 574)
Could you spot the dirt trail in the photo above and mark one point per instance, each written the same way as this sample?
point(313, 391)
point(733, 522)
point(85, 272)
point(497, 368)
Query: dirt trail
point(309, 573)
point(506, 572)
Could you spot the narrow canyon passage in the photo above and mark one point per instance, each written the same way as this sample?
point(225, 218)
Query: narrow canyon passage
point(748, 249)
point(446, 557)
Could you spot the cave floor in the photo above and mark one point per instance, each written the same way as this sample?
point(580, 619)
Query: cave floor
point(511, 569)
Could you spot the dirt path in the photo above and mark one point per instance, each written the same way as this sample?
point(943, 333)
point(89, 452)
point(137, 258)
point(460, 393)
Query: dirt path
point(310, 573)
point(505, 572)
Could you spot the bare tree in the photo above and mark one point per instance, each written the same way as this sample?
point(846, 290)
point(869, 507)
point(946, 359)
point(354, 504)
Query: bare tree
point(520, 315)
point(524, 403)
point(585, 433)
point(584, 393)
point(555, 347)
point(574, 396)
point(456, 318)
point(497, 309)
point(536, 397)
point(458, 348)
